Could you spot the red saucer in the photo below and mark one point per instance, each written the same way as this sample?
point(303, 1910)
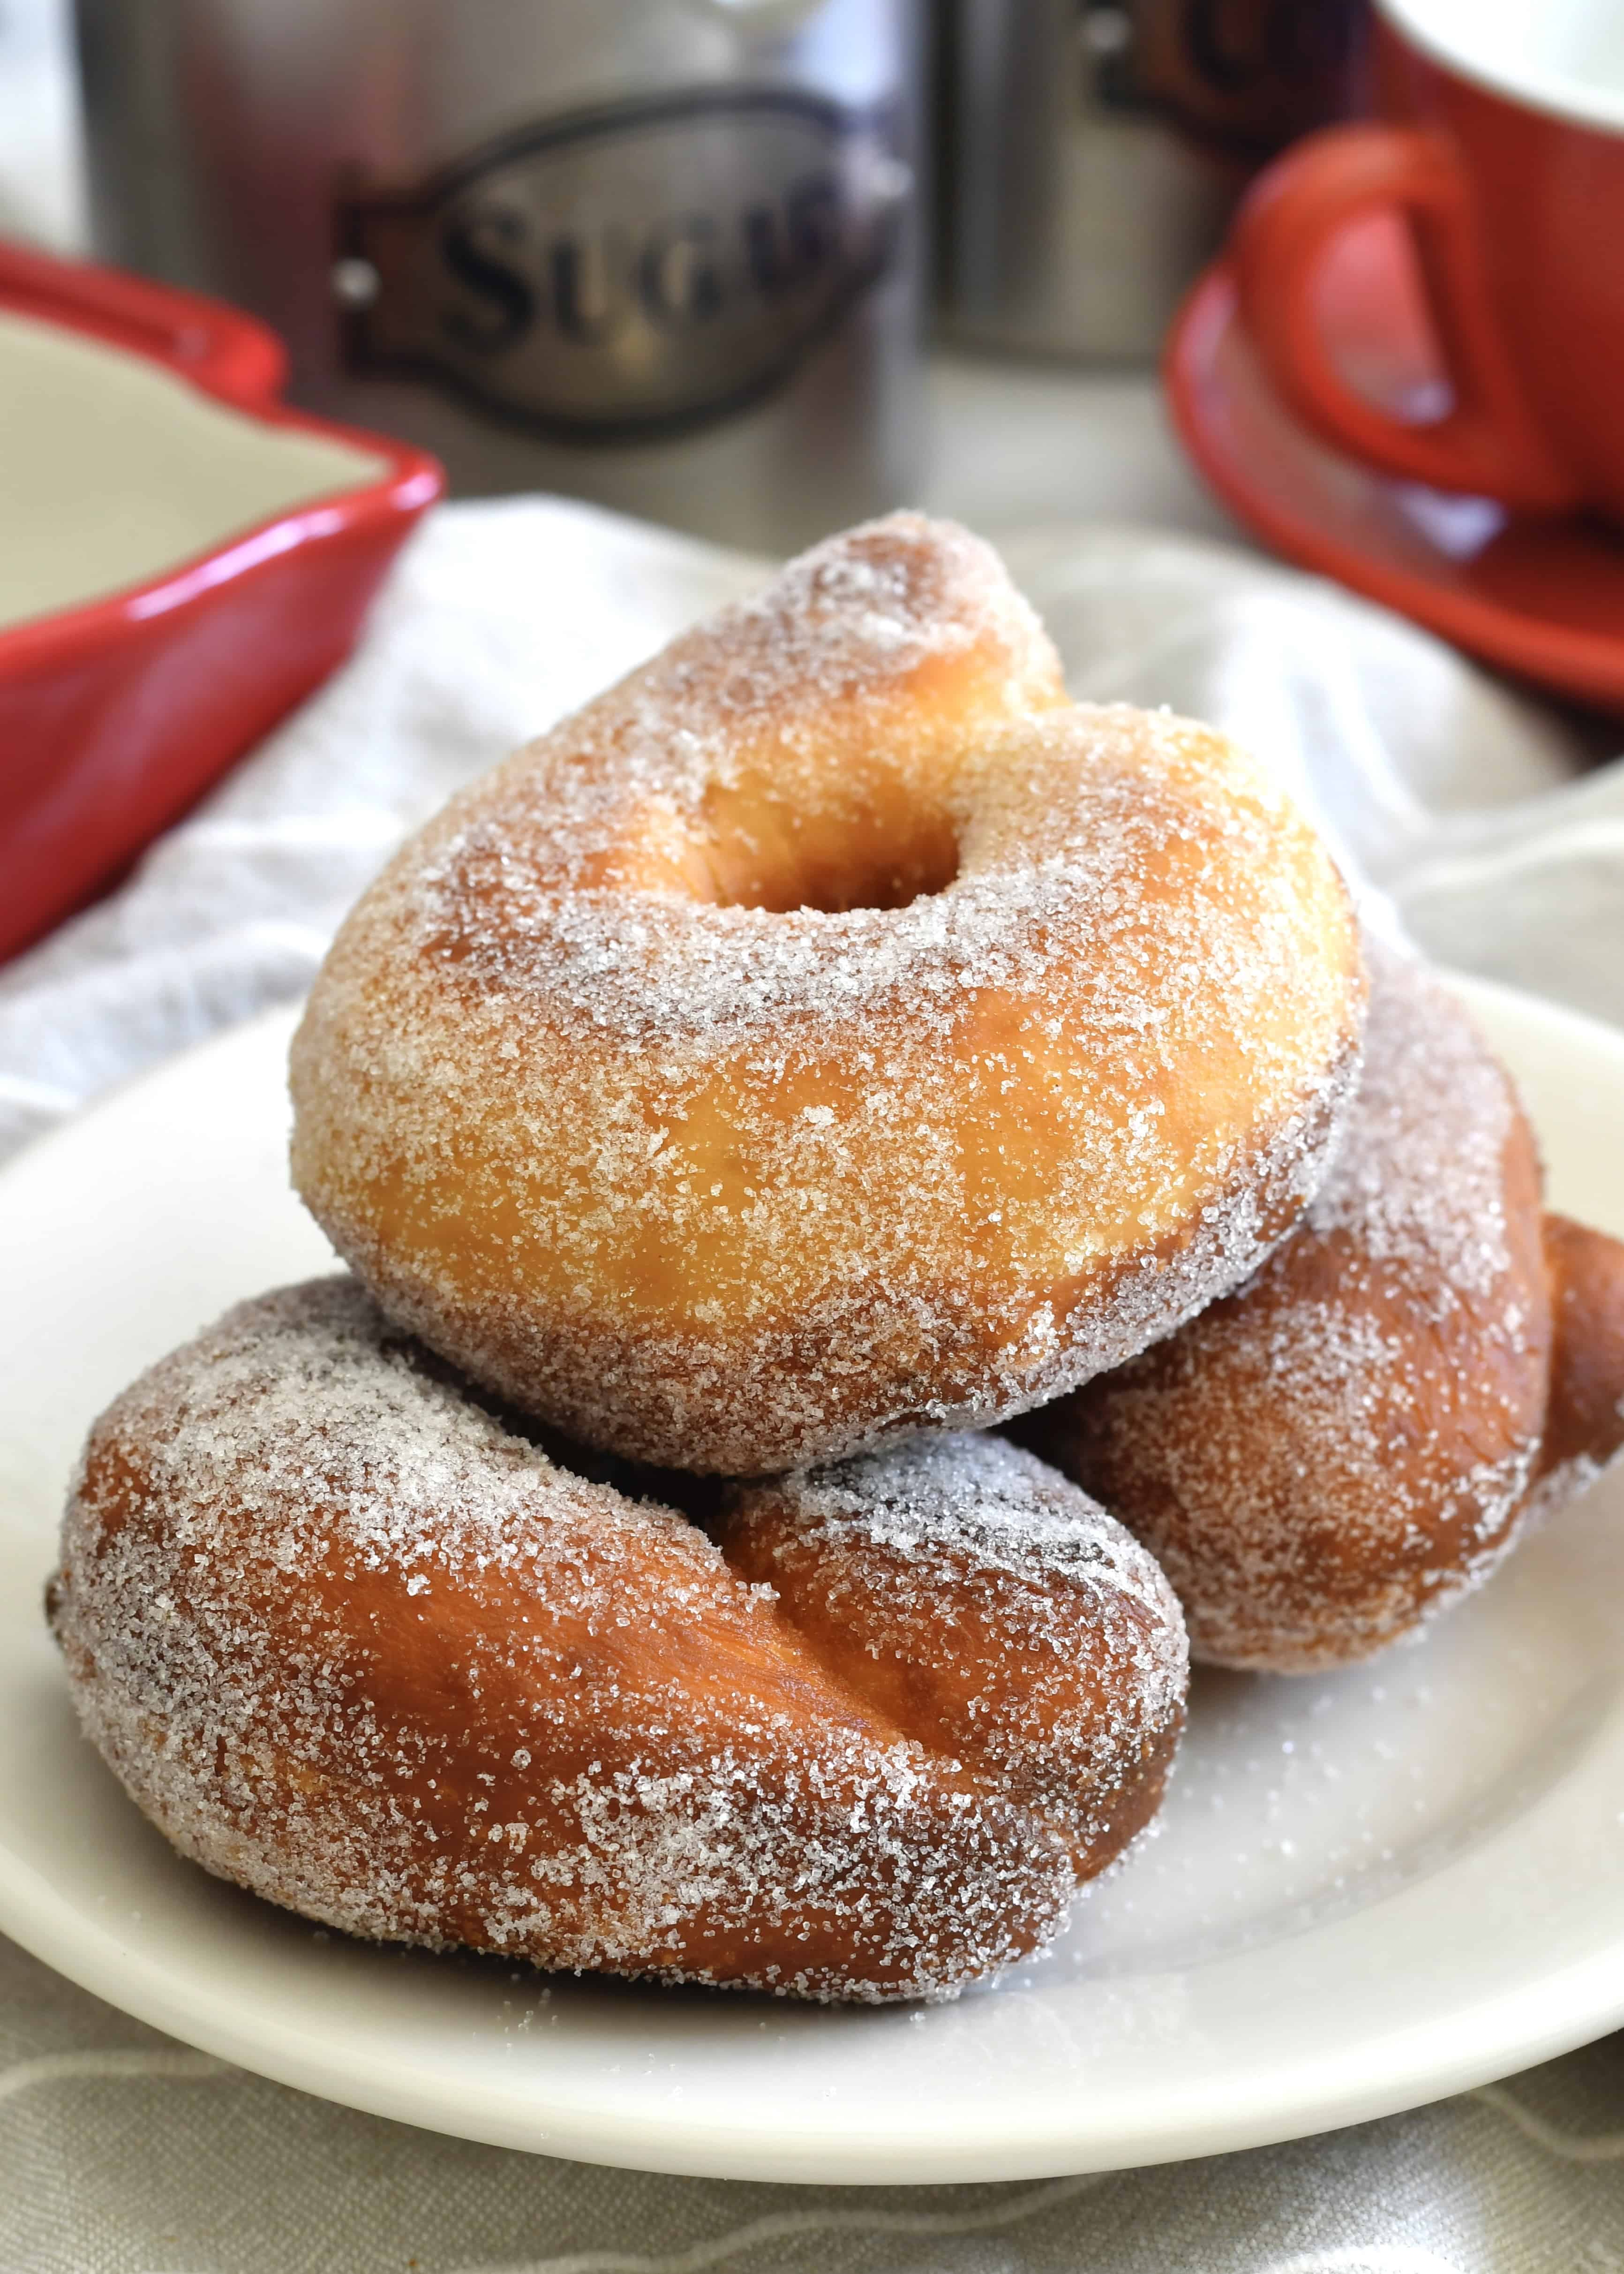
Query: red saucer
point(1542, 597)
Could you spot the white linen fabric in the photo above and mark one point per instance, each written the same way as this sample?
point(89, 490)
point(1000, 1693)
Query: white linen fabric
point(1454, 798)
point(1456, 806)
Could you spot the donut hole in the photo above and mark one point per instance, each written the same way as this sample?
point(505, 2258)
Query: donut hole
point(880, 851)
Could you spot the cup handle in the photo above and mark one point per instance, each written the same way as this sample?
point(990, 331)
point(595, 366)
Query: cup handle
point(1488, 442)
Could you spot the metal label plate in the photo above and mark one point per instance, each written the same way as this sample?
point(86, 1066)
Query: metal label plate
point(628, 271)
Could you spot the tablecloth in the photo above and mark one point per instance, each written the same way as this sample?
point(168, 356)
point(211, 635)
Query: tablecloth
point(1461, 809)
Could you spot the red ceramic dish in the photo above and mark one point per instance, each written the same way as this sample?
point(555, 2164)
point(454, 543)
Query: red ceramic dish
point(1539, 595)
point(117, 711)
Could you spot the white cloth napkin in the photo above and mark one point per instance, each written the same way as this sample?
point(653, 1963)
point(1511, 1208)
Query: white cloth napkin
point(1453, 797)
point(1451, 802)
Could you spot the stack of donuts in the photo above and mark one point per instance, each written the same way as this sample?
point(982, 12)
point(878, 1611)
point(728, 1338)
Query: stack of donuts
point(829, 1046)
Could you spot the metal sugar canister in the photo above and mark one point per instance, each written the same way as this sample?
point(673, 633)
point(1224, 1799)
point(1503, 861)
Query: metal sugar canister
point(662, 253)
point(1093, 151)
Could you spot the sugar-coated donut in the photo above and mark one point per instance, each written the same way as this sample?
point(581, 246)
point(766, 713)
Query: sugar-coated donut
point(1345, 1444)
point(1583, 1431)
point(1065, 1685)
point(351, 1642)
point(830, 1032)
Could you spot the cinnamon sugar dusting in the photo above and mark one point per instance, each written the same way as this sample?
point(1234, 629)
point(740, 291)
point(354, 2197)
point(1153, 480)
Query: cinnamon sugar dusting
point(1064, 1644)
point(728, 1180)
point(353, 1642)
point(1343, 1446)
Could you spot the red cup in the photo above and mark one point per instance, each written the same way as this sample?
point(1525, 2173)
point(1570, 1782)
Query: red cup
point(1504, 152)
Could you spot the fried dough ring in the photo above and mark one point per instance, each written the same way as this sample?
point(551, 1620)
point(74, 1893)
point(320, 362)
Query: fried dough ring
point(352, 1643)
point(830, 1031)
point(1328, 1457)
point(1583, 1429)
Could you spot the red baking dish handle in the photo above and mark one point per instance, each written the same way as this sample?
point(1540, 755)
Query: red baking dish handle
point(228, 354)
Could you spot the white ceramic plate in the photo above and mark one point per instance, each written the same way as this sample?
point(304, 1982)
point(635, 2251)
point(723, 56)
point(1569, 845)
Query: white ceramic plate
point(1369, 1890)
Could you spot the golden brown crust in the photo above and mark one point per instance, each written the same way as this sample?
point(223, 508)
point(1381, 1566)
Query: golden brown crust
point(352, 1643)
point(642, 1088)
point(956, 1586)
point(1327, 1456)
point(1584, 1420)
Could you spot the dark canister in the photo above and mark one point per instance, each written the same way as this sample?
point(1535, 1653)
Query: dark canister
point(663, 253)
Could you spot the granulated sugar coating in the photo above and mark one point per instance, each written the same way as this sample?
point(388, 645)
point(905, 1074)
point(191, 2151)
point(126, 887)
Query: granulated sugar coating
point(352, 1643)
point(964, 1585)
point(830, 1032)
point(1584, 1432)
point(1330, 1455)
